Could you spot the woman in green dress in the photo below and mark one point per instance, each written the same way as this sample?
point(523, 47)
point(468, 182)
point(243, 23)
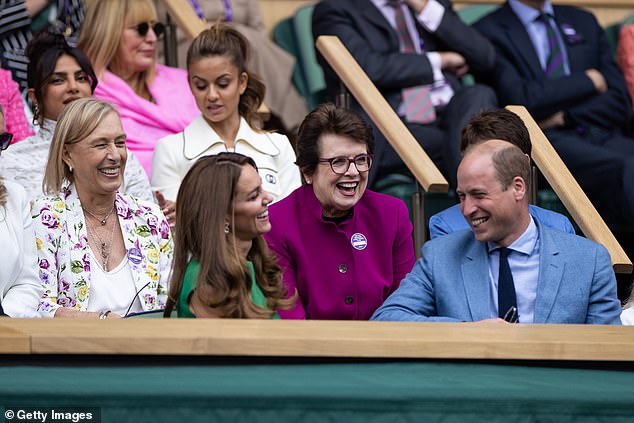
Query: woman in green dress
point(222, 266)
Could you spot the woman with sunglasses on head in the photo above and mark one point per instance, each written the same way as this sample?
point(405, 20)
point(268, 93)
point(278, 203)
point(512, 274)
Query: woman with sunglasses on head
point(101, 254)
point(20, 287)
point(222, 266)
point(120, 38)
point(343, 247)
point(57, 75)
point(228, 97)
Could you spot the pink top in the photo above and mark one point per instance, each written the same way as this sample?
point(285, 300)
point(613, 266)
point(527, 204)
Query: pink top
point(13, 106)
point(145, 122)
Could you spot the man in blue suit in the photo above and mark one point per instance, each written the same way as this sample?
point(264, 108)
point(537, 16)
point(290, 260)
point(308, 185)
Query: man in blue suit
point(494, 124)
point(508, 263)
point(556, 61)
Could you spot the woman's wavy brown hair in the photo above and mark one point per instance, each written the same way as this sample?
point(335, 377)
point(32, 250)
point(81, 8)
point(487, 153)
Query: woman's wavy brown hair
point(205, 199)
point(223, 40)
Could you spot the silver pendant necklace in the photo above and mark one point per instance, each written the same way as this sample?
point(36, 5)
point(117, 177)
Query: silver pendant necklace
point(103, 220)
point(106, 248)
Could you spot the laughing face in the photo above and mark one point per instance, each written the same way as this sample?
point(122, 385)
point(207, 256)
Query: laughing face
point(494, 213)
point(98, 161)
point(337, 194)
point(250, 206)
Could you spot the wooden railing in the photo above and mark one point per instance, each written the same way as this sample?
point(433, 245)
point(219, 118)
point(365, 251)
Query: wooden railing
point(288, 338)
point(382, 114)
point(571, 194)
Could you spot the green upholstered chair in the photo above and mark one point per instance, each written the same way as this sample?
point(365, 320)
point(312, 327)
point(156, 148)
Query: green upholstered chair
point(284, 36)
point(307, 56)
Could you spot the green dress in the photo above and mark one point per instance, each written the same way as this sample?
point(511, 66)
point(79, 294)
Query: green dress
point(189, 284)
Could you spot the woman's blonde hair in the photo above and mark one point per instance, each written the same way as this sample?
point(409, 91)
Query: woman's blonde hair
point(224, 281)
point(103, 28)
point(78, 120)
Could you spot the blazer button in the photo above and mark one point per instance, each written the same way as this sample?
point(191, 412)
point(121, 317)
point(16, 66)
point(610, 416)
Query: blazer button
point(343, 268)
point(349, 300)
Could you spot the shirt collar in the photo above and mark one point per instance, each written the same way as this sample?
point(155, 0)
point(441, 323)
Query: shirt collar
point(527, 14)
point(525, 244)
point(200, 137)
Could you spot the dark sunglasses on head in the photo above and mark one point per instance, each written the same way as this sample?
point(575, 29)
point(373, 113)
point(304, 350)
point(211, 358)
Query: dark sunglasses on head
point(5, 140)
point(143, 28)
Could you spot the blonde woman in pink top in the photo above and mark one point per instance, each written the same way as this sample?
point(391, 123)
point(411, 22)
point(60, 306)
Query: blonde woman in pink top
point(120, 38)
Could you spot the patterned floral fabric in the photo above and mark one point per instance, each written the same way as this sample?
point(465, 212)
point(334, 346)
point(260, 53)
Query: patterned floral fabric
point(64, 259)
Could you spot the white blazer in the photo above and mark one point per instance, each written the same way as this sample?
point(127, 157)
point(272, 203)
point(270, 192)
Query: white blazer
point(175, 154)
point(20, 288)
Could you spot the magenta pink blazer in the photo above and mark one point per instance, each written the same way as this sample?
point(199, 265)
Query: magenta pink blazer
point(345, 271)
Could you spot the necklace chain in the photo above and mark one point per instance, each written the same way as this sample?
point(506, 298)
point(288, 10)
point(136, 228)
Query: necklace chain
point(103, 220)
point(106, 248)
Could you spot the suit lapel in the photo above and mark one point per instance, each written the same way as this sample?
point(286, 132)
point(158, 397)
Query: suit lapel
point(375, 16)
point(133, 244)
point(520, 40)
point(475, 277)
point(551, 270)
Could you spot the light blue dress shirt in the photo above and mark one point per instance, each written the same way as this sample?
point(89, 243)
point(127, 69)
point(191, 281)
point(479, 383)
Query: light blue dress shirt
point(537, 31)
point(524, 263)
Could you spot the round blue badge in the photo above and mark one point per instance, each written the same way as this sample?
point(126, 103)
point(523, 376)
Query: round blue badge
point(271, 179)
point(135, 256)
point(358, 241)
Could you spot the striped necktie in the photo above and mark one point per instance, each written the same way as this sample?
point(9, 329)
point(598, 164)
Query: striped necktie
point(417, 104)
point(555, 61)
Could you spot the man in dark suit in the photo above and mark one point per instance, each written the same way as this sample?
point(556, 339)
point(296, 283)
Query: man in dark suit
point(556, 61)
point(413, 45)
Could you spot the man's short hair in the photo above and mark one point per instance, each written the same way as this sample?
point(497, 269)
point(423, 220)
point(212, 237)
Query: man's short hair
point(510, 162)
point(500, 124)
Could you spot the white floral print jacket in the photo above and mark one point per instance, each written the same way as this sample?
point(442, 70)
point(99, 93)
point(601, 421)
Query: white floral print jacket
point(64, 259)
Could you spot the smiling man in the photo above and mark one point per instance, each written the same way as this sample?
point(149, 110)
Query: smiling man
point(508, 263)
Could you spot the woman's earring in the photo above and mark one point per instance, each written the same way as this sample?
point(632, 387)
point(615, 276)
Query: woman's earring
point(227, 227)
point(70, 168)
point(36, 115)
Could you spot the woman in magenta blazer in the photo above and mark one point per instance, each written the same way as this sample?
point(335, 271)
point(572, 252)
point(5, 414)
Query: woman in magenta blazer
point(344, 248)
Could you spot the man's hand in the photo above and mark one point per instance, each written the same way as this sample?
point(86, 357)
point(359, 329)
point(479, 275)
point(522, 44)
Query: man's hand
point(453, 62)
point(554, 121)
point(598, 80)
point(417, 5)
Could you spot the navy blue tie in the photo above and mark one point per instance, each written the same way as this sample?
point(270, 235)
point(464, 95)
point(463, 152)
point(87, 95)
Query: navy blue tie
point(506, 287)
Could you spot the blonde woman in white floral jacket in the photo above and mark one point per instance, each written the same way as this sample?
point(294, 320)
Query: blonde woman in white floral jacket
point(101, 254)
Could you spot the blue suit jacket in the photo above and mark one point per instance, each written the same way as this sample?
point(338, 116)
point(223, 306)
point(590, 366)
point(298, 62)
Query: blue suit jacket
point(451, 220)
point(451, 282)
